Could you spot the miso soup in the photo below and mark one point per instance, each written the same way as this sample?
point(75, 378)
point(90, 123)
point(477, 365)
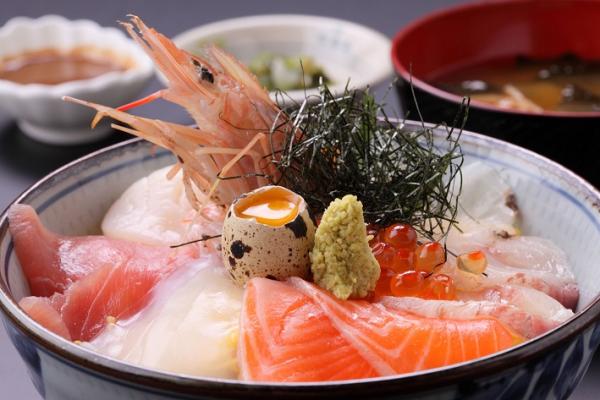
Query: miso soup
point(567, 83)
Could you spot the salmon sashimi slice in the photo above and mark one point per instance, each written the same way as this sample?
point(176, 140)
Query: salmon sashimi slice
point(394, 341)
point(90, 278)
point(285, 336)
point(295, 331)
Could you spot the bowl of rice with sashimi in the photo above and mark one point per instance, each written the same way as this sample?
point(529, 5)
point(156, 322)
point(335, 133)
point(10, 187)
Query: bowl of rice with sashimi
point(321, 252)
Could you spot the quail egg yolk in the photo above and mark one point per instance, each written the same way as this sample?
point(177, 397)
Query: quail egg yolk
point(273, 207)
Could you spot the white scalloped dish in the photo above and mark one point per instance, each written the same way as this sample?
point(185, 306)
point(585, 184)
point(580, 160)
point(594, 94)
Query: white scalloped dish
point(38, 108)
point(349, 53)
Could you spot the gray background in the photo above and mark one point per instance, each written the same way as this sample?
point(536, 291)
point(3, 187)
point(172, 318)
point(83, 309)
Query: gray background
point(23, 161)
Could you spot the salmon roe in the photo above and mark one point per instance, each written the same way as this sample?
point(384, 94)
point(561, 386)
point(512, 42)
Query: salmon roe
point(409, 283)
point(407, 268)
point(421, 284)
point(383, 287)
point(400, 236)
point(428, 256)
point(440, 287)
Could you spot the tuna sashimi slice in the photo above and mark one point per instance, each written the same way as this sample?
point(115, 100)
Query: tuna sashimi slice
point(44, 312)
point(285, 336)
point(90, 278)
point(52, 262)
point(396, 342)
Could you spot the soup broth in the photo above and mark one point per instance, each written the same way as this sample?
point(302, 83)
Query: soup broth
point(567, 83)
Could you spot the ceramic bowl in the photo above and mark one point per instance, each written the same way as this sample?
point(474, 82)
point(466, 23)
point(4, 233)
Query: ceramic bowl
point(345, 50)
point(555, 204)
point(39, 109)
point(481, 31)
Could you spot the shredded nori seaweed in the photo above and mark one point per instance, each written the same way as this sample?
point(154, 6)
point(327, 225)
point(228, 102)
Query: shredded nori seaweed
point(338, 145)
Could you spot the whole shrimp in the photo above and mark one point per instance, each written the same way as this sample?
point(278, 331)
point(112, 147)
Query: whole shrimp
point(237, 122)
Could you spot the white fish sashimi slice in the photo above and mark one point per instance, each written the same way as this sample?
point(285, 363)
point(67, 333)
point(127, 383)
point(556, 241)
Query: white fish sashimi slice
point(487, 210)
point(155, 210)
point(529, 310)
point(191, 326)
point(522, 260)
point(531, 301)
point(486, 201)
point(487, 207)
point(522, 323)
point(536, 263)
point(488, 216)
point(531, 252)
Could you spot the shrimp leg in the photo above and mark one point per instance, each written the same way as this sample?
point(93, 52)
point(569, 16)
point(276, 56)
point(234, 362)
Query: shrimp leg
point(148, 99)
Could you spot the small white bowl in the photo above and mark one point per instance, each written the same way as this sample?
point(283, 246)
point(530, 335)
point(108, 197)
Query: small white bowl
point(39, 109)
point(344, 49)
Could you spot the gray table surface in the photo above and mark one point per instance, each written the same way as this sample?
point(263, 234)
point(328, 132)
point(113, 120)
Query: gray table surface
point(23, 161)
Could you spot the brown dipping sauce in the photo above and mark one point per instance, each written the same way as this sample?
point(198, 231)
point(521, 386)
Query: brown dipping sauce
point(53, 66)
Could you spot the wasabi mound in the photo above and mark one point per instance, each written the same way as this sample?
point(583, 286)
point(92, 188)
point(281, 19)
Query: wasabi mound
point(342, 261)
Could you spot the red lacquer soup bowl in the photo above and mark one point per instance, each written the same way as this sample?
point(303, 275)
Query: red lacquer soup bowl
point(484, 31)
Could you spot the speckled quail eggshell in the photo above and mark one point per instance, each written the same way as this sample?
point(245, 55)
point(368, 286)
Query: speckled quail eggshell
point(252, 249)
